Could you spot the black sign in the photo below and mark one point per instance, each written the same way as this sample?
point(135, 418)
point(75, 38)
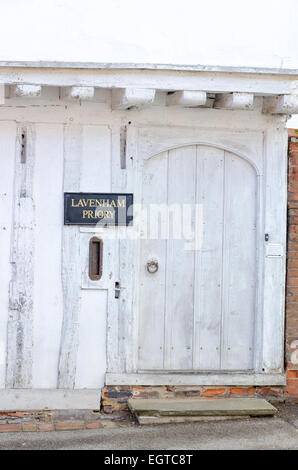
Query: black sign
point(100, 209)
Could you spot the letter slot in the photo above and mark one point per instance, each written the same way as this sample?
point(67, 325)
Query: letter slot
point(95, 258)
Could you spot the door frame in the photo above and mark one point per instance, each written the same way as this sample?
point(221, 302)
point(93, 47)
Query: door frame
point(266, 150)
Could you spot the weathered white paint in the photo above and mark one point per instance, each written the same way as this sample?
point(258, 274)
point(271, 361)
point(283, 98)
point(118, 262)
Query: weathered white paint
point(2, 94)
point(70, 263)
point(284, 104)
point(20, 323)
point(7, 152)
point(49, 399)
point(188, 99)
point(132, 97)
point(234, 101)
point(192, 311)
point(90, 148)
point(248, 145)
point(196, 379)
point(47, 300)
point(155, 79)
point(24, 91)
point(77, 93)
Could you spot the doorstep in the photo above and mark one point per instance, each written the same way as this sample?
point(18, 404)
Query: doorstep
point(192, 409)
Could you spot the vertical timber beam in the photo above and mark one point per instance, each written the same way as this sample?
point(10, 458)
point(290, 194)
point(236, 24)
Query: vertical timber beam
point(71, 266)
point(20, 322)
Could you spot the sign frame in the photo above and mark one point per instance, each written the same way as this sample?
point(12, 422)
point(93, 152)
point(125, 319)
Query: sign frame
point(72, 214)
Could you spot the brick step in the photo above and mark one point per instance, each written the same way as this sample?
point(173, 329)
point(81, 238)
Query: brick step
point(149, 411)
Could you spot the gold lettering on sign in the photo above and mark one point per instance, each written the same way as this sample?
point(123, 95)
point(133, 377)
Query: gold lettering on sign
point(98, 203)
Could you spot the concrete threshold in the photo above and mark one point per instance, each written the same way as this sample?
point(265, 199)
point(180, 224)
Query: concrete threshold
point(155, 411)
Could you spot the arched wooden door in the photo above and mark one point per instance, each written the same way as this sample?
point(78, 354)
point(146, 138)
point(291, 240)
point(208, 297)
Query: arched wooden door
point(197, 311)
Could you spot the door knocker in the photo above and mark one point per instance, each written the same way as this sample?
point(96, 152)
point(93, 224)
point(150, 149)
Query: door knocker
point(152, 266)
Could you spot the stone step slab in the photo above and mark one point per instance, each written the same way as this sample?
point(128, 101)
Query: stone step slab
point(201, 407)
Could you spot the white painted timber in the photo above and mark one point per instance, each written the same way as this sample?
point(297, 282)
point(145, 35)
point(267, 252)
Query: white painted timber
point(91, 355)
point(24, 91)
point(2, 94)
point(168, 80)
point(77, 93)
point(196, 379)
point(274, 266)
point(7, 156)
point(71, 269)
point(89, 128)
point(234, 101)
point(48, 299)
point(20, 323)
point(198, 295)
point(49, 399)
point(284, 104)
point(187, 99)
point(95, 176)
point(132, 97)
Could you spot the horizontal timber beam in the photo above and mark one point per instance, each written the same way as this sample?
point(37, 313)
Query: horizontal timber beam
point(24, 91)
point(187, 99)
point(77, 93)
point(132, 98)
point(210, 82)
point(284, 104)
point(195, 379)
point(234, 101)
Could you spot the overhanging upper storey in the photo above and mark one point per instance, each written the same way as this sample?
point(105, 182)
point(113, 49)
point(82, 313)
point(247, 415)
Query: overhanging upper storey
point(137, 85)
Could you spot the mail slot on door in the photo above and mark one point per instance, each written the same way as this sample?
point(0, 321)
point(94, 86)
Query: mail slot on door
point(95, 258)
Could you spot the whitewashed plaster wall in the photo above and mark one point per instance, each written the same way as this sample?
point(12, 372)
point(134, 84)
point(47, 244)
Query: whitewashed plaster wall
point(213, 32)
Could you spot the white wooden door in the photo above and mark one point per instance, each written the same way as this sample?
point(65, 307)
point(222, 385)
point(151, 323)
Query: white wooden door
point(197, 312)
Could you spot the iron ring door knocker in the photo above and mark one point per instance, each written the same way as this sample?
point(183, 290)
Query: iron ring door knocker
point(152, 266)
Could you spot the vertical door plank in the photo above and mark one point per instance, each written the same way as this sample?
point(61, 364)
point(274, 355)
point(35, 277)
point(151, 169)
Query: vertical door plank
point(152, 286)
point(239, 258)
point(71, 269)
point(180, 263)
point(48, 299)
point(208, 271)
point(7, 155)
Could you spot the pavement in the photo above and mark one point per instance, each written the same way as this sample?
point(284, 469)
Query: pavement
point(267, 433)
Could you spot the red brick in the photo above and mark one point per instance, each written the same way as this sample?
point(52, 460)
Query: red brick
point(242, 391)
point(10, 427)
point(292, 374)
point(45, 427)
point(69, 425)
point(94, 425)
point(214, 392)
